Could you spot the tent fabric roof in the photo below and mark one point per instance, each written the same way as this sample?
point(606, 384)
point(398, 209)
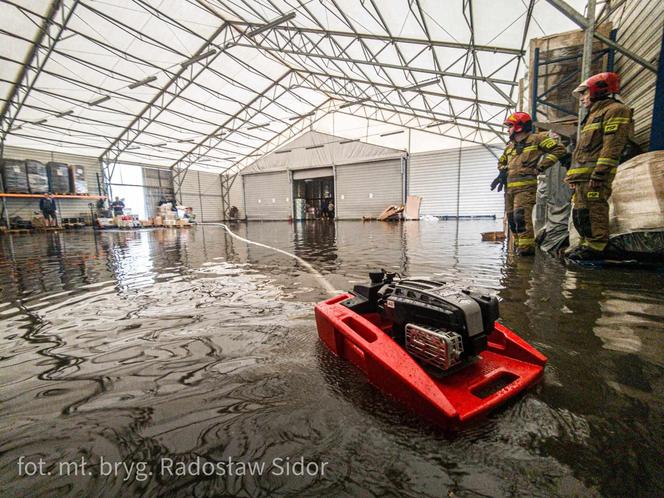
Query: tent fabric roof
point(216, 83)
point(316, 150)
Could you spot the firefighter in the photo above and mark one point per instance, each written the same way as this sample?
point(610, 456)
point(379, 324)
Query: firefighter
point(604, 134)
point(526, 155)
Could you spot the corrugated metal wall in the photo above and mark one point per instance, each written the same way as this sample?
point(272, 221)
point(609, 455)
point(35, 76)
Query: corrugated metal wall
point(68, 208)
point(478, 169)
point(366, 189)
point(434, 176)
point(639, 25)
point(202, 192)
point(209, 186)
point(267, 196)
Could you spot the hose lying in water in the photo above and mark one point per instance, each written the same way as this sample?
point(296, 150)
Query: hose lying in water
point(327, 286)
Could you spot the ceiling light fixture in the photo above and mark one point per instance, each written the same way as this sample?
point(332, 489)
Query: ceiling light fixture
point(391, 133)
point(417, 86)
point(258, 126)
point(197, 58)
point(145, 81)
point(439, 123)
point(302, 116)
point(99, 100)
point(272, 24)
point(65, 113)
point(348, 104)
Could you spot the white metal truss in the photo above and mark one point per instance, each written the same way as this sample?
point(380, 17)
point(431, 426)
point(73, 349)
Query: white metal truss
point(184, 88)
point(48, 35)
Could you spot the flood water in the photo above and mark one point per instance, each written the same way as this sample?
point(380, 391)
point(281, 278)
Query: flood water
point(133, 354)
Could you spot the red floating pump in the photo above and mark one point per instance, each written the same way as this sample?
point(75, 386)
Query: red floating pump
point(435, 348)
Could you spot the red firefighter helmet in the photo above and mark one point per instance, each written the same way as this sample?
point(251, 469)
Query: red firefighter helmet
point(521, 121)
point(599, 85)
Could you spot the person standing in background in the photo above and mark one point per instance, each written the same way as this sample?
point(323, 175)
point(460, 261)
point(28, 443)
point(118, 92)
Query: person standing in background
point(49, 209)
point(118, 206)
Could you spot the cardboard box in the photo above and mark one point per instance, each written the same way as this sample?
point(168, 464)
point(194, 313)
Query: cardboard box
point(158, 221)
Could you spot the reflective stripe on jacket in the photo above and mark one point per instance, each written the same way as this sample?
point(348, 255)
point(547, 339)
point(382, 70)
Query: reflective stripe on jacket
point(526, 159)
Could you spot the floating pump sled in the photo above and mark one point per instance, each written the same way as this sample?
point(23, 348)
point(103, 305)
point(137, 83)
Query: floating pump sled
point(435, 348)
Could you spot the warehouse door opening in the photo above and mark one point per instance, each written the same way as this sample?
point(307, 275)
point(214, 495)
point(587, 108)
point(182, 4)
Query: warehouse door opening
point(313, 198)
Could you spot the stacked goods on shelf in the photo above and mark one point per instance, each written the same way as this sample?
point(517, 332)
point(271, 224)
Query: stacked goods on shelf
point(167, 215)
point(37, 176)
point(77, 180)
point(58, 178)
point(13, 176)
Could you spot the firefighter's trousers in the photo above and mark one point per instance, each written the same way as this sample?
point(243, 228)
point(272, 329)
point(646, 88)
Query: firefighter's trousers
point(590, 213)
point(519, 206)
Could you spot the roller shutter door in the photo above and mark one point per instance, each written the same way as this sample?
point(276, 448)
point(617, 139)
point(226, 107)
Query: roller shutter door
point(478, 168)
point(435, 177)
point(366, 189)
point(210, 196)
point(267, 196)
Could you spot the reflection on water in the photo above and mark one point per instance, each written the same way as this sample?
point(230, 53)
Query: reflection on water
point(188, 345)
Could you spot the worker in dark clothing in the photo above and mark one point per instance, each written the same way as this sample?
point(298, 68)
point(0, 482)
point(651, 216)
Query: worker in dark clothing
point(49, 209)
point(604, 134)
point(117, 206)
point(526, 155)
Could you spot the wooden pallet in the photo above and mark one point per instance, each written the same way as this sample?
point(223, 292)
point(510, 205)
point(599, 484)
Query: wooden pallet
point(493, 236)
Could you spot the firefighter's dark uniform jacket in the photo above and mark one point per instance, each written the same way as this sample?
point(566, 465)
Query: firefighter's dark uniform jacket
point(604, 134)
point(526, 159)
point(523, 161)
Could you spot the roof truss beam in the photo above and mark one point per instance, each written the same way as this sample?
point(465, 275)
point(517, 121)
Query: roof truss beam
point(214, 138)
point(585, 23)
point(47, 37)
point(286, 49)
point(389, 39)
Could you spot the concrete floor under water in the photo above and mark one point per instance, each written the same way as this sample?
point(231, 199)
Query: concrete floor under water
point(129, 351)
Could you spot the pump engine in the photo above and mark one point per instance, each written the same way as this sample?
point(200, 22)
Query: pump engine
point(436, 322)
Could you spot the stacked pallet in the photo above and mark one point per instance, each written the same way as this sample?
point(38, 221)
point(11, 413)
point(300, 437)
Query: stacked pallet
point(58, 178)
point(13, 176)
point(37, 176)
point(77, 180)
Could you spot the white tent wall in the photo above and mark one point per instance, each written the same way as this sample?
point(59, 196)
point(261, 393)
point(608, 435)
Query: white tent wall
point(366, 189)
point(268, 196)
point(68, 208)
point(453, 179)
point(315, 149)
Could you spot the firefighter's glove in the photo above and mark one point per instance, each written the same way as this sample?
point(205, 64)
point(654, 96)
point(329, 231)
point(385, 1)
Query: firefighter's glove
point(500, 181)
point(566, 161)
